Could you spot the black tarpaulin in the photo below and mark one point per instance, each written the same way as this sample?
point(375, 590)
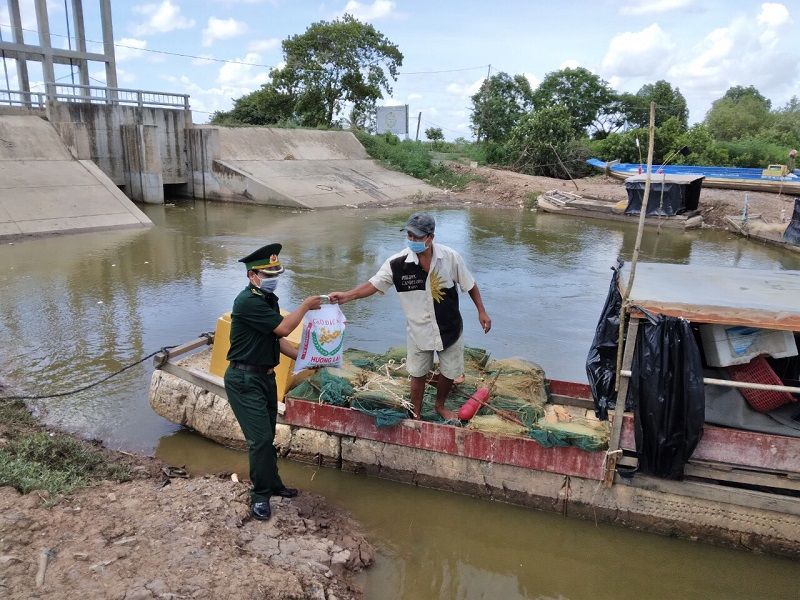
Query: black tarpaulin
point(669, 194)
point(666, 388)
point(601, 363)
point(792, 233)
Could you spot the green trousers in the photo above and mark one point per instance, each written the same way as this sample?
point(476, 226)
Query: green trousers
point(254, 400)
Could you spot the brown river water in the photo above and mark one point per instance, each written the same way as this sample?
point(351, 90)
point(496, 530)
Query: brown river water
point(76, 308)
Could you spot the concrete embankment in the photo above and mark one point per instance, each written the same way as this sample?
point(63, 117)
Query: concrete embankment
point(43, 189)
point(293, 167)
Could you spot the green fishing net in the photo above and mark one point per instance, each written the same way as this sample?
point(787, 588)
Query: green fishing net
point(378, 385)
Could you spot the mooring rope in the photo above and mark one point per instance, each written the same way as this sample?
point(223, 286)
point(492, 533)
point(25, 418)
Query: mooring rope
point(164, 349)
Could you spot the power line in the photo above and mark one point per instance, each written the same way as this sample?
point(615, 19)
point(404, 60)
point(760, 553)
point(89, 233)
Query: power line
point(229, 60)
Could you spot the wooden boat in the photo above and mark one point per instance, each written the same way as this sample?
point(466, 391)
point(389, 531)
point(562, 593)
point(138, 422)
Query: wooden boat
point(741, 487)
point(756, 229)
point(729, 178)
point(566, 203)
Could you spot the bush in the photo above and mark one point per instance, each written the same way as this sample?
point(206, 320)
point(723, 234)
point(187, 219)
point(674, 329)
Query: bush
point(412, 158)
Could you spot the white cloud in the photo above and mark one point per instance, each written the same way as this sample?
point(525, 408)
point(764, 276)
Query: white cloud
point(570, 63)
point(465, 89)
point(161, 18)
point(757, 52)
point(245, 76)
point(773, 15)
point(533, 80)
point(128, 48)
point(263, 45)
point(644, 53)
point(379, 9)
point(412, 96)
point(646, 7)
point(222, 29)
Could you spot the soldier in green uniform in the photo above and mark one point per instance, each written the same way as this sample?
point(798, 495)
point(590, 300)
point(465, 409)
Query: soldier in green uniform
point(257, 340)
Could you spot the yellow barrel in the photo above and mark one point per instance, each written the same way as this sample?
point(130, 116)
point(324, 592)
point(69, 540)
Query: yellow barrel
point(222, 343)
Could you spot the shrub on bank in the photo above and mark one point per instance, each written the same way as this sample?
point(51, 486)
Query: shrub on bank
point(413, 158)
point(33, 459)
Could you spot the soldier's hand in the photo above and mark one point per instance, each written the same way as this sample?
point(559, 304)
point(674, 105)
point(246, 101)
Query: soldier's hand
point(313, 302)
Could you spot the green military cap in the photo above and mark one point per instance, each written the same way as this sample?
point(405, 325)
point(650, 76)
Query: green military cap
point(264, 259)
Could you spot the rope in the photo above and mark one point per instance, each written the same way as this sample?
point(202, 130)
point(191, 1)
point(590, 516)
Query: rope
point(164, 349)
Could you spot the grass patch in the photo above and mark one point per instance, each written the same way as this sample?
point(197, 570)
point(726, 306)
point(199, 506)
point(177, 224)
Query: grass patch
point(57, 463)
point(412, 158)
point(532, 200)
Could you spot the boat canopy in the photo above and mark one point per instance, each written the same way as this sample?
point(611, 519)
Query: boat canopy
point(669, 194)
point(724, 295)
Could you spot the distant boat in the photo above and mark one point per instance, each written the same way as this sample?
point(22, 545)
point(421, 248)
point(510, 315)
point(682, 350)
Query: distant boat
point(773, 234)
point(674, 202)
point(731, 178)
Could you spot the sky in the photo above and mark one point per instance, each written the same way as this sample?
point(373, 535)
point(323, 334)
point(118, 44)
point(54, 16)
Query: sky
point(449, 47)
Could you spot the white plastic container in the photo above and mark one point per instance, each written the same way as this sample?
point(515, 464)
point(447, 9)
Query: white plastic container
point(726, 345)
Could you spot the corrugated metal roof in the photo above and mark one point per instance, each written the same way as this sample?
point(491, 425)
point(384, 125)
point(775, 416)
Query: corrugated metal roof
point(707, 294)
point(660, 177)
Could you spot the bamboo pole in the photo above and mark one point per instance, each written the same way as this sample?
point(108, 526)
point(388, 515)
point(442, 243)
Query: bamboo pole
point(637, 245)
point(739, 384)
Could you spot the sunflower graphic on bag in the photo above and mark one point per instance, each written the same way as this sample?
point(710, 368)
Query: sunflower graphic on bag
point(323, 338)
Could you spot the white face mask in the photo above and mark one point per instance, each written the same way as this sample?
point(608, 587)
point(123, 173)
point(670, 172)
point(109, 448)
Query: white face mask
point(268, 284)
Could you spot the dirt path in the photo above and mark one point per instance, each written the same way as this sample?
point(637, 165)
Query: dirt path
point(190, 538)
point(497, 187)
point(159, 534)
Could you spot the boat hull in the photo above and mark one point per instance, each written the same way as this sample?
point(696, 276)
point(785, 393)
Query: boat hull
point(518, 470)
point(599, 209)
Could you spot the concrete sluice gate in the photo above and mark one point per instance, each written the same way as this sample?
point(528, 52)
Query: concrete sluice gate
point(63, 170)
point(293, 167)
point(45, 189)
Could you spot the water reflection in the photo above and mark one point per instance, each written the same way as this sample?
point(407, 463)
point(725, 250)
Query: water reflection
point(82, 306)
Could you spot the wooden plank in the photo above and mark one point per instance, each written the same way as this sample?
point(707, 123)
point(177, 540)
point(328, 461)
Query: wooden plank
point(716, 493)
point(570, 401)
point(183, 349)
point(619, 412)
point(202, 379)
point(771, 480)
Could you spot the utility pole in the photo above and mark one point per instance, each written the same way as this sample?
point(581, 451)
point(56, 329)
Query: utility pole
point(419, 119)
point(478, 134)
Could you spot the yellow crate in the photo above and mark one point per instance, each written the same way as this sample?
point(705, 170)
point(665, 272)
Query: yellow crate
point(222, 343)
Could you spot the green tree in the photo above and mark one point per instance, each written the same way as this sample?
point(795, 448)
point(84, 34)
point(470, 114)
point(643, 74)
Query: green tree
point(669, 103)
point(588, 100)
point(332, 65)
point(740, 113)
point(785, 126)
point(434, 134)
point(535, 140)
point(499, 104)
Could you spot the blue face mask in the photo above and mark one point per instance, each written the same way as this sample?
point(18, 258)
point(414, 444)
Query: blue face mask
point(416, 247)
point(268, 284)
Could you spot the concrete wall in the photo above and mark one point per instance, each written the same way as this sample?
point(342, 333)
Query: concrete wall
point(94, 132)
point(43, 189)
point(292, 167)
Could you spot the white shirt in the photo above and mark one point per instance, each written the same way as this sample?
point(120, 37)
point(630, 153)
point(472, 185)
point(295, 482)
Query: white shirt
point(429, 300)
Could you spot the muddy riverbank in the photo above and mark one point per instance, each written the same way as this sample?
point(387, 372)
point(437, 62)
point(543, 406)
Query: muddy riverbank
point(501, 188)
point(163, 535)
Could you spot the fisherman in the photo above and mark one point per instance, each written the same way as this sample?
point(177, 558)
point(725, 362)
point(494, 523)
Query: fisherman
point(425, 275)
point(258, 333)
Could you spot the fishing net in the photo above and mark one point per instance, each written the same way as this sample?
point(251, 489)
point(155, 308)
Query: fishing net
point(378, 385)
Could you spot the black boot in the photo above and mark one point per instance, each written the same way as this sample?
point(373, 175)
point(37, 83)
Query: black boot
point(285, 492)
point(261, 510)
